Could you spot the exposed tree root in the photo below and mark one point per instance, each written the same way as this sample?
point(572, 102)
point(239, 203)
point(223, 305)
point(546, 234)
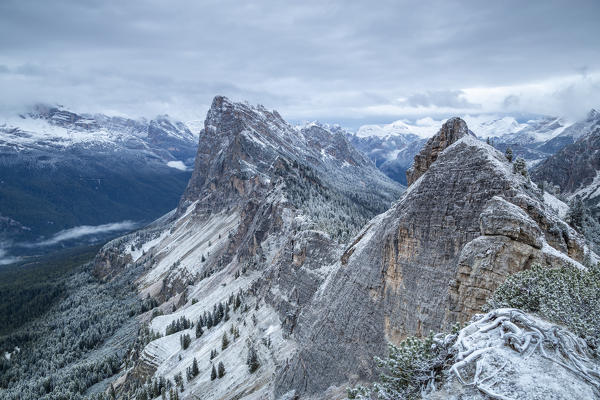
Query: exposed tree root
point(525, 335)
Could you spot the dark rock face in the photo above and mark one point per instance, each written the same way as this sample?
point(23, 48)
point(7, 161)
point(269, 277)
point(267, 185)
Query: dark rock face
point(451, 131)
point(574, 167)
point(430, 261)
point(243, 149)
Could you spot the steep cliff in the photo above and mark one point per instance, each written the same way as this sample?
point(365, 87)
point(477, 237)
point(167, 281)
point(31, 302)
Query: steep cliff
point(266, 211)
point(465, 223)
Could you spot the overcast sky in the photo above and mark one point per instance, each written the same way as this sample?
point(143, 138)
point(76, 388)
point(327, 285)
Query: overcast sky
point(337, 61)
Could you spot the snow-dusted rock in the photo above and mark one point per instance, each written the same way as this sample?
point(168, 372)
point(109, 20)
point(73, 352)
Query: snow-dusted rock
point(464, 224)
point(451, 131)
point(508, 354)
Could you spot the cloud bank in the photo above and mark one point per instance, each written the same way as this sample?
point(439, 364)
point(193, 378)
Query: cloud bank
point(86, 230)
point(338, 61)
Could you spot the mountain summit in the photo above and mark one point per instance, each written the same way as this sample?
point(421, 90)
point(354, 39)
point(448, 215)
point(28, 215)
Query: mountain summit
point(451, 131)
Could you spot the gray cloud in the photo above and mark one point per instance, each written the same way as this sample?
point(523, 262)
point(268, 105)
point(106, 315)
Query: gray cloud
point(511, 101)
point(86, 230)
point(5, 258)
point(330, 60)
point(440, 98)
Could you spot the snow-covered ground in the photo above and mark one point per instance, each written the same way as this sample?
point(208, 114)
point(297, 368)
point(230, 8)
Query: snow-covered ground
point(557, 205)
point(190, 241)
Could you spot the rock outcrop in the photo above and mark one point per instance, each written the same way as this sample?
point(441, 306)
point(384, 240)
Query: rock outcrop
point(512, 363)
point(452, 130)
point(461, 228)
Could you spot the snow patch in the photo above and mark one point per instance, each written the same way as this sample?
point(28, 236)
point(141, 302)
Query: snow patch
point(177, 165)
point(557, 205)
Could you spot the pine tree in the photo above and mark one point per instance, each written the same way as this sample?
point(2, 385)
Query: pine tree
point(576, 213)
point(185, 341)
point(224, 342)
point(238, 302)
point(221, 369)
point(226, 316)
point(252, 361)
point(213, 373)
point(195, 369)
point(199, 330)
point(520, 167)
point(509, 154)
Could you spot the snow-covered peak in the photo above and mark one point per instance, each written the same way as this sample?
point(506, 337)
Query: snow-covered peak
point(506, 127)
point(583, 127)
point(44, 124)
point(486, 126)
point(593, 114)
point(401, 127)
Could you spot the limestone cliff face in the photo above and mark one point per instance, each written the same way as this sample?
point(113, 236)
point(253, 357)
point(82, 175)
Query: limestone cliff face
point(452, 130)
point(429, 262)
point(264, 215)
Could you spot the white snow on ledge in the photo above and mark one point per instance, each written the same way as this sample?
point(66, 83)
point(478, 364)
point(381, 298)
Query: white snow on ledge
point(177, 165)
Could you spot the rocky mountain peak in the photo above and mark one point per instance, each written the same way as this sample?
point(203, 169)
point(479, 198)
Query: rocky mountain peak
point(452, 130)
point(241, 148)
point(593, 115)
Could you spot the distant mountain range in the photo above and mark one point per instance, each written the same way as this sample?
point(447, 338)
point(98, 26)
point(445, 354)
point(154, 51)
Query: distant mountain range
point(574, 171)
point(60, 170)
point(392, 147)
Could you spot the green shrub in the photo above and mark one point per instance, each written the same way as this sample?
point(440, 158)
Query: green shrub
point(408, 368)
point(565, 295)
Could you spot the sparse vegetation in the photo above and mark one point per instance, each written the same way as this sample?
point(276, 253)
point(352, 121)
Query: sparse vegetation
point(564, 295)
point(406, 370)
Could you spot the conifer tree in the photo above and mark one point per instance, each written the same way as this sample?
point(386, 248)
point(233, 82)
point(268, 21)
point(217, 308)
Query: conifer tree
point(221, 369)
point(195, 369)
point(509, 154)
point(224, 341)
point(252, 360)
point(213, 373)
